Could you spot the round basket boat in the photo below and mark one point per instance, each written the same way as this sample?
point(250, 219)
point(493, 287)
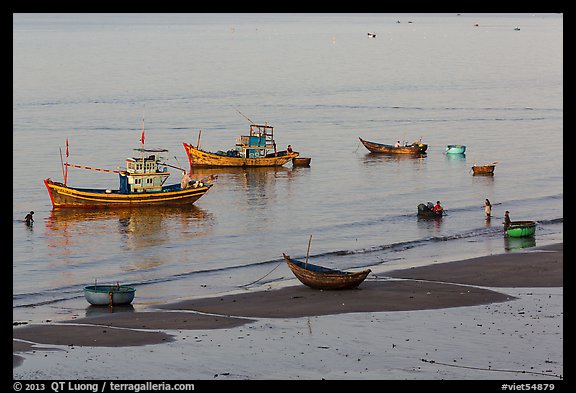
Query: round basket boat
point(109, 295)
point(521, 229)
point(301, 161)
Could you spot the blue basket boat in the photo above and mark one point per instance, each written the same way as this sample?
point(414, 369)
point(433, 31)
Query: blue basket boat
point(109, 295)
point(455, 149)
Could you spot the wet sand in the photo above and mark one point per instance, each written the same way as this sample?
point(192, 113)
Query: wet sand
point(464, 284)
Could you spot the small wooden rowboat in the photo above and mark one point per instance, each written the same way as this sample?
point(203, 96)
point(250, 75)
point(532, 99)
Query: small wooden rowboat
point(319, 277)
point(521, 229)
point(455, 149)
point(414, 148)
point(301, 161)
point(484, 169)
point(109, 295)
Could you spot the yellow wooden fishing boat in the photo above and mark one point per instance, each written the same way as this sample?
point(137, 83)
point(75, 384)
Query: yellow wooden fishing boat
point(258, 149)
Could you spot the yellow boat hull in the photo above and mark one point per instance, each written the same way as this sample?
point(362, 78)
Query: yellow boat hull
point(63, 196)
point(203, 159)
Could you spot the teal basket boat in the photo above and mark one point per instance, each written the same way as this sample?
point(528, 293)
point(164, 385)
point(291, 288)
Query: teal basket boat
point(521, 229)
point(455, 149)
point(109, 295)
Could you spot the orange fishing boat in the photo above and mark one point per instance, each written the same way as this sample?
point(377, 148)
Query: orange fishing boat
point(258, 149)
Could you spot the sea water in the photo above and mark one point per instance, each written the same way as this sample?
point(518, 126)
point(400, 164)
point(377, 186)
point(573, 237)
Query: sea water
point(98, 80)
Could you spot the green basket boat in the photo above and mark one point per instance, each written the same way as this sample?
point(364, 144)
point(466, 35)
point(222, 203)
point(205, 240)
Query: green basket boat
point(521, 229)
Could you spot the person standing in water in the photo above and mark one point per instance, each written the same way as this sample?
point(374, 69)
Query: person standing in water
point(507, 220)
point(29, 219)
point(487, 208)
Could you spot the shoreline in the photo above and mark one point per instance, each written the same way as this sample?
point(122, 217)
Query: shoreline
point(459, 284)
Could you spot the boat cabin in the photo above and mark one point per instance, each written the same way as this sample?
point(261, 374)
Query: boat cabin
point(257, 144)
point(143, 173)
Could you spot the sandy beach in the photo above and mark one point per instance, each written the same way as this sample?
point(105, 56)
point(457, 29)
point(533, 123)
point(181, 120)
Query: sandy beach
point(493, 317)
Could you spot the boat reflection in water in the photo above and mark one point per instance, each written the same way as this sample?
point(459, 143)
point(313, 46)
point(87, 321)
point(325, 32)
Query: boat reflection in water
point(77, 236)
point(94, 311)
point(456, 157)
point(518, 243)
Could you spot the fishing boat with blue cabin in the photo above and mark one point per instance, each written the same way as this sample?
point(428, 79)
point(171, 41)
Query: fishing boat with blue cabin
point(455, 149)
point(141, 184)
point(257, 149)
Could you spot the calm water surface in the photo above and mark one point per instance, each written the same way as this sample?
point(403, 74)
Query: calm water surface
point(322, 83)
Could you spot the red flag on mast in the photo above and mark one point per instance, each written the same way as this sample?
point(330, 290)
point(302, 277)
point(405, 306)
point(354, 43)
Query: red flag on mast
point(142, 137)
point(67, 147)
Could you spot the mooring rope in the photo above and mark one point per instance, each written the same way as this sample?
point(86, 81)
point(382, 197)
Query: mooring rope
point(264, 276)
point(491, 369)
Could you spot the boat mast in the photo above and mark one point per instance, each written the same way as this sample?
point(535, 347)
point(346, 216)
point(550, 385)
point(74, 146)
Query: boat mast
point(308, 252)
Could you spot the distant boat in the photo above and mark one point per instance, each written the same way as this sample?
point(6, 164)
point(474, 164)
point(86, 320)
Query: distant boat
point(319, 277)
point(141, 184)
point(487, 169)
point(517, 28)
point(258, 149)
point(371, 35)
point(109, 295)
point(455, 149)
point(414, 148)
point(521, 228)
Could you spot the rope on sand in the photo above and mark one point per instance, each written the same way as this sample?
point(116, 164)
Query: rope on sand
point(264, 276)
point(492, 369)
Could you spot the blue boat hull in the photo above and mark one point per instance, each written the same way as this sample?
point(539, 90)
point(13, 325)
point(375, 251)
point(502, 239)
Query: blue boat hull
point(107, 295)
point(455, 149)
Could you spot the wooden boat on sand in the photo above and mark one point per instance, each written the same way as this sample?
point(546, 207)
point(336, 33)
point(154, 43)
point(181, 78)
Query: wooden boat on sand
point(141, 184)
point(258, 149)
point(109, 295)
point(487, 170)
point(521, 229)
point(414, 148)
point(319, 277)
